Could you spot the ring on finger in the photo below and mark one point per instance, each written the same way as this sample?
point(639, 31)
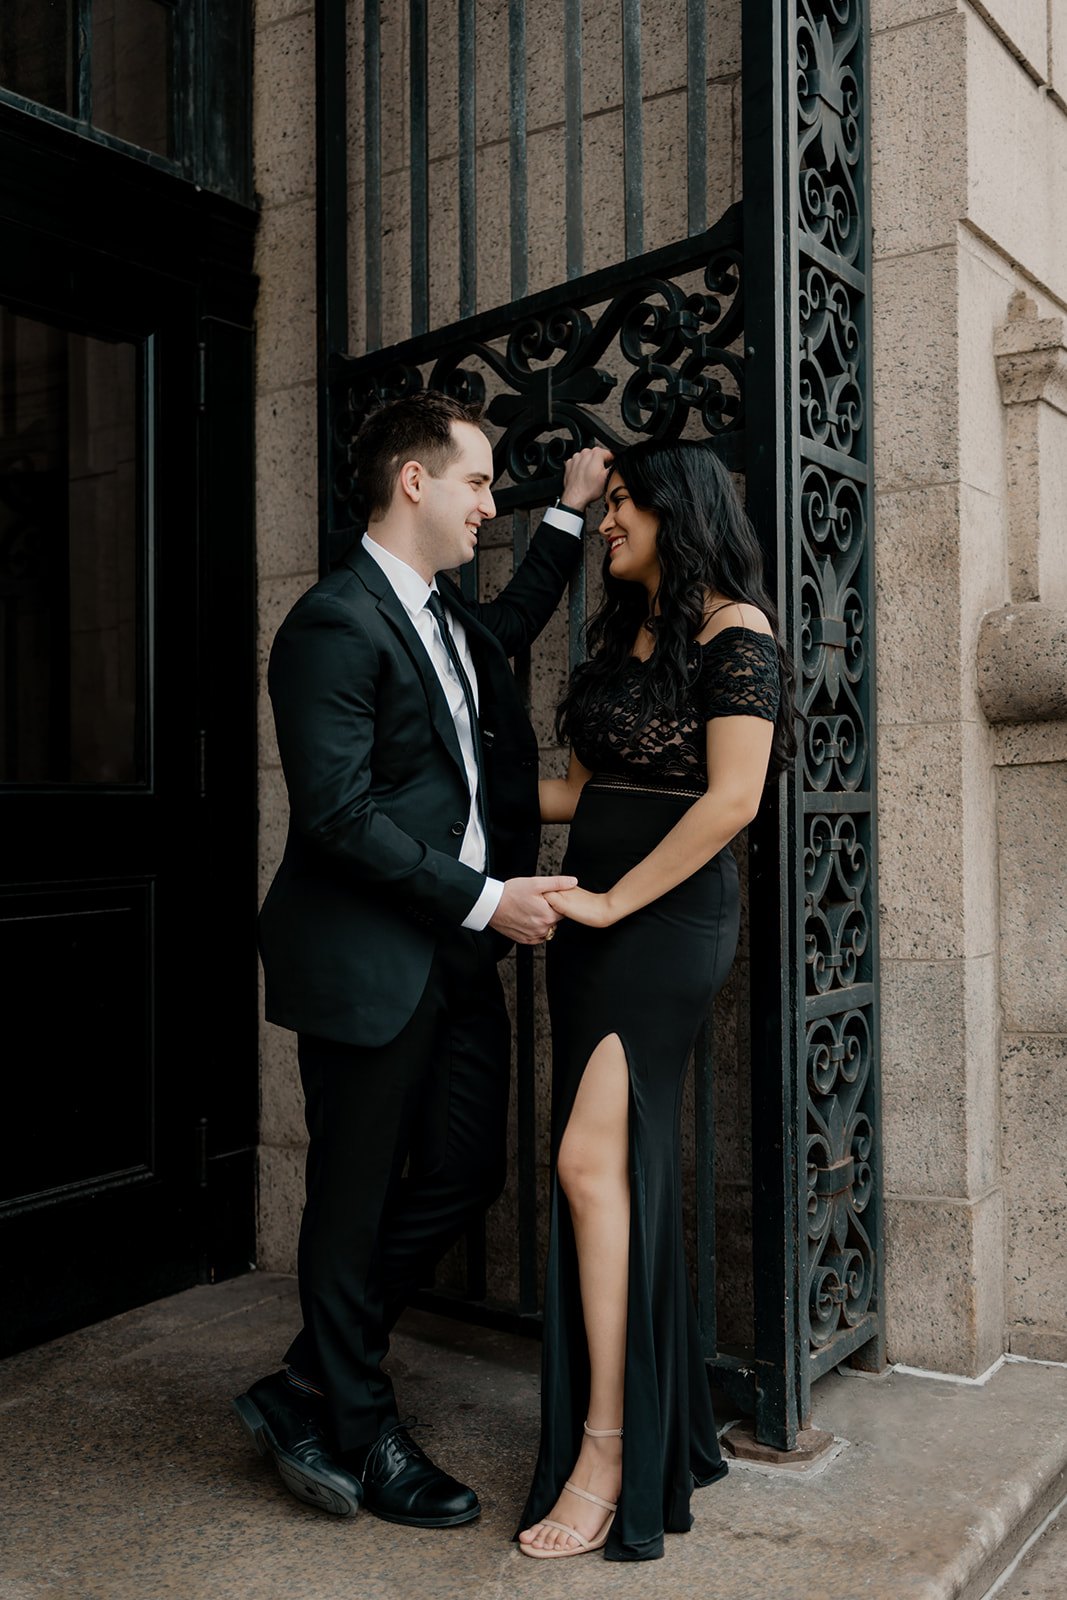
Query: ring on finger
point(551, 934)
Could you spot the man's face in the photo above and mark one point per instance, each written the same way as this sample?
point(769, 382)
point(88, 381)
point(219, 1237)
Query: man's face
point(454, 506)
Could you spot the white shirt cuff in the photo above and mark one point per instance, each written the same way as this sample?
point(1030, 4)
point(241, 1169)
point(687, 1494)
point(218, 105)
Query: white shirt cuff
point(567, 521)
point(484, 907)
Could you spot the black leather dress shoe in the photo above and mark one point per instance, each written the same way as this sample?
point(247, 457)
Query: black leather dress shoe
point(291, 1427)
point(401, 1484)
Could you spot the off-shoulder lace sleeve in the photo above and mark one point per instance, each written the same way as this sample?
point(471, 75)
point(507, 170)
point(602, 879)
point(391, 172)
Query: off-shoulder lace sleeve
point(738, 676)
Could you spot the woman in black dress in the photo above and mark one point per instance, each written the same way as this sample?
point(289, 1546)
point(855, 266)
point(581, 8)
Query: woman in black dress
point(685, 701)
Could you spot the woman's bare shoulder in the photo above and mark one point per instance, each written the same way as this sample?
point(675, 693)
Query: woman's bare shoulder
point(734, 614)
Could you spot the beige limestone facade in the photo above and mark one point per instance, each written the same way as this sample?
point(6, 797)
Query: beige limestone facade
point(969, 147)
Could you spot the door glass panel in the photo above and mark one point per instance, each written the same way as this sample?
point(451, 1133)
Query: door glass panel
point(72, 659)
point(131, 68)
point(36, 57)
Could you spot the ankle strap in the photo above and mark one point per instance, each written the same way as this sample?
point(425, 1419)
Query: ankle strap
point(602, 1433)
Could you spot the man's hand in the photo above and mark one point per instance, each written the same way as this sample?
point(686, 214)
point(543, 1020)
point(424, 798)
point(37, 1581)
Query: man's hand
point(523, 913)
point(585, 477)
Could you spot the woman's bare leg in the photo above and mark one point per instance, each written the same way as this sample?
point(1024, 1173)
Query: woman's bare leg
point(593, 1170)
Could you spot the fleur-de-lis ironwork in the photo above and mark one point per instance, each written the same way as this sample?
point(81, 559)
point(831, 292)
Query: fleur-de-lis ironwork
point(547, 365)
point(834, 663)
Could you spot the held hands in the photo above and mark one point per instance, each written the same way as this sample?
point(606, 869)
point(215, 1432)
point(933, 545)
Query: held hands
point(585, 477)
point(582, 905)
point(524, 913)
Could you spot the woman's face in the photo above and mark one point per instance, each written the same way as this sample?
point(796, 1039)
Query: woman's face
point(630, 532)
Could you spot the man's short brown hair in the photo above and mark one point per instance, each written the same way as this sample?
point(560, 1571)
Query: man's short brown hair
point(416, 428)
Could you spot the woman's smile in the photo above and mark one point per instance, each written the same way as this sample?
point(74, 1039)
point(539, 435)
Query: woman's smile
point(630, 532)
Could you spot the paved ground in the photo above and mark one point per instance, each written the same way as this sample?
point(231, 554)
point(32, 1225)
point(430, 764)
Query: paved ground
point(124, 1474)
point(1042, 1572)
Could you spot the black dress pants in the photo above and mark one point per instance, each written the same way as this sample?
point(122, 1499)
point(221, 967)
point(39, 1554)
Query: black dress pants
point(407, 1147)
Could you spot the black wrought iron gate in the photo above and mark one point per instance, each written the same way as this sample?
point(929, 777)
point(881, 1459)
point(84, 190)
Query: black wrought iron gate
point(754, 332)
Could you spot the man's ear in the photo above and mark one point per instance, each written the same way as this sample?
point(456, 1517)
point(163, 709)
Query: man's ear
point(409, 480)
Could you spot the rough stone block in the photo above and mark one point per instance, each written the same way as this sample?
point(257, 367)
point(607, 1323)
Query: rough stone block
point(276, 596)
point(286, 487)
point(894, 13)
point(917, 577)
point(665, 158)
point(939, 1077)
point(916, 383)
point(982, 583)
point(268, 11)
point(1023, 29)
point(1031, 742)
point(280, 1205)
point(1022, 663)
point(602, 192)
point(986, 284)
point(1034, 1137)
point(919, 135)
point(1017, 156)
point(281, 1110)
point(921, 841)
point(944, 1263)
point(494, 259)
point(979, 833)
point(396, 255)
point(545, 102)
point(283, 134)
point(724, 38)
point(1032, 825)
point(1038, 1344)
point(444, 240)
point(273, 824)
point(285, 311)
point(546, 209)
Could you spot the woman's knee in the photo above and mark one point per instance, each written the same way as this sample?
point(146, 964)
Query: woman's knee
point(588, 1182)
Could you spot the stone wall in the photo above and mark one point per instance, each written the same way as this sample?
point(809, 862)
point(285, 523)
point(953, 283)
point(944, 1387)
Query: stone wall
point(970, 180)
point(970, 206)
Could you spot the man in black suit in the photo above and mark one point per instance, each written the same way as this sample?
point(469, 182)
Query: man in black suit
point(411, 770)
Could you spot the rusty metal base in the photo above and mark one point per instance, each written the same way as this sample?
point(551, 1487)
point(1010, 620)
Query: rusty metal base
point(741, 1443)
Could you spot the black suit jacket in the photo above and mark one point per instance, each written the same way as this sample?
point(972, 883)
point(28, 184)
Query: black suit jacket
point(378, 797)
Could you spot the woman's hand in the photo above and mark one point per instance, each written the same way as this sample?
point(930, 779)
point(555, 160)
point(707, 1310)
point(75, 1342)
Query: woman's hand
point(581, 905)
point(585, 477)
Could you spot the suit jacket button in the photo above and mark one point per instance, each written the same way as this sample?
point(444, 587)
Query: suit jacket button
point(457, 830)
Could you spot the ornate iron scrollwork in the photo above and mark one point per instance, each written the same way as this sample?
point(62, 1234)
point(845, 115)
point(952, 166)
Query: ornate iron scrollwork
point(545, 366)
point(834, 621)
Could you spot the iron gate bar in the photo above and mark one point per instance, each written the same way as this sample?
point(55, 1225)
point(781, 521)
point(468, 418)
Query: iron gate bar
point(468, 232)
point(517, 145)
point(572, 97)
point(696, 113)
point(331, 242)
point(632, 134)
point(372, 171)
point(420, 193)
point(683, 335)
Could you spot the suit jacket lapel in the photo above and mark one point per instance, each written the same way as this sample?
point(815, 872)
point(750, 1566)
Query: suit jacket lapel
point(372, 576)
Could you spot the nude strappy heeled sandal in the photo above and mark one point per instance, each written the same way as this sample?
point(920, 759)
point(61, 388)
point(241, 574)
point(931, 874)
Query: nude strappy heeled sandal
point(584, 1546)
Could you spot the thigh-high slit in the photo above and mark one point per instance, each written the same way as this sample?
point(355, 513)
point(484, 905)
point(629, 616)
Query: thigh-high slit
point(648, 979)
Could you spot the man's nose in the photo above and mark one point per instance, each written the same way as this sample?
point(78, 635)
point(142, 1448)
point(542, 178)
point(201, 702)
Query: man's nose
point(488, 506)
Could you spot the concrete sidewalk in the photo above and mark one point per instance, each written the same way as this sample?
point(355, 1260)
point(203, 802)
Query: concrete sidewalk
point(126, 1475)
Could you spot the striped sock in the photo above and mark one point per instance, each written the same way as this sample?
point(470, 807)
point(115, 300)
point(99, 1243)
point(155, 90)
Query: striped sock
point(301, 1383)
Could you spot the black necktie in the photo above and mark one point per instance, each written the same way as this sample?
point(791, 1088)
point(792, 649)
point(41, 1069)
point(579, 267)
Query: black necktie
point(435, 606)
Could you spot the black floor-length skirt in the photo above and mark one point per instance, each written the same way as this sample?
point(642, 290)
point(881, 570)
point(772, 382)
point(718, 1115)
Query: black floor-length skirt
point(649, 979)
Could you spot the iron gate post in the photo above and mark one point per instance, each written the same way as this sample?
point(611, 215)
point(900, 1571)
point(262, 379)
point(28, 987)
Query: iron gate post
point(817, 1236)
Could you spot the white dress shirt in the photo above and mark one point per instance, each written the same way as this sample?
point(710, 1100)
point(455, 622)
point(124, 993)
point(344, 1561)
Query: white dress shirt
point(412, 590)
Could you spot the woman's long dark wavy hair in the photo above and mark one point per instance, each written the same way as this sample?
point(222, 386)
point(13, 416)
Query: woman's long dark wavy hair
point(705, 544)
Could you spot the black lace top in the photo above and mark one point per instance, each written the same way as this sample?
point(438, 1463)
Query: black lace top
point(735, 674)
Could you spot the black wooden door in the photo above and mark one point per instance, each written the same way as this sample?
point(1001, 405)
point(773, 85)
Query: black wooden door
point(104, 915)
